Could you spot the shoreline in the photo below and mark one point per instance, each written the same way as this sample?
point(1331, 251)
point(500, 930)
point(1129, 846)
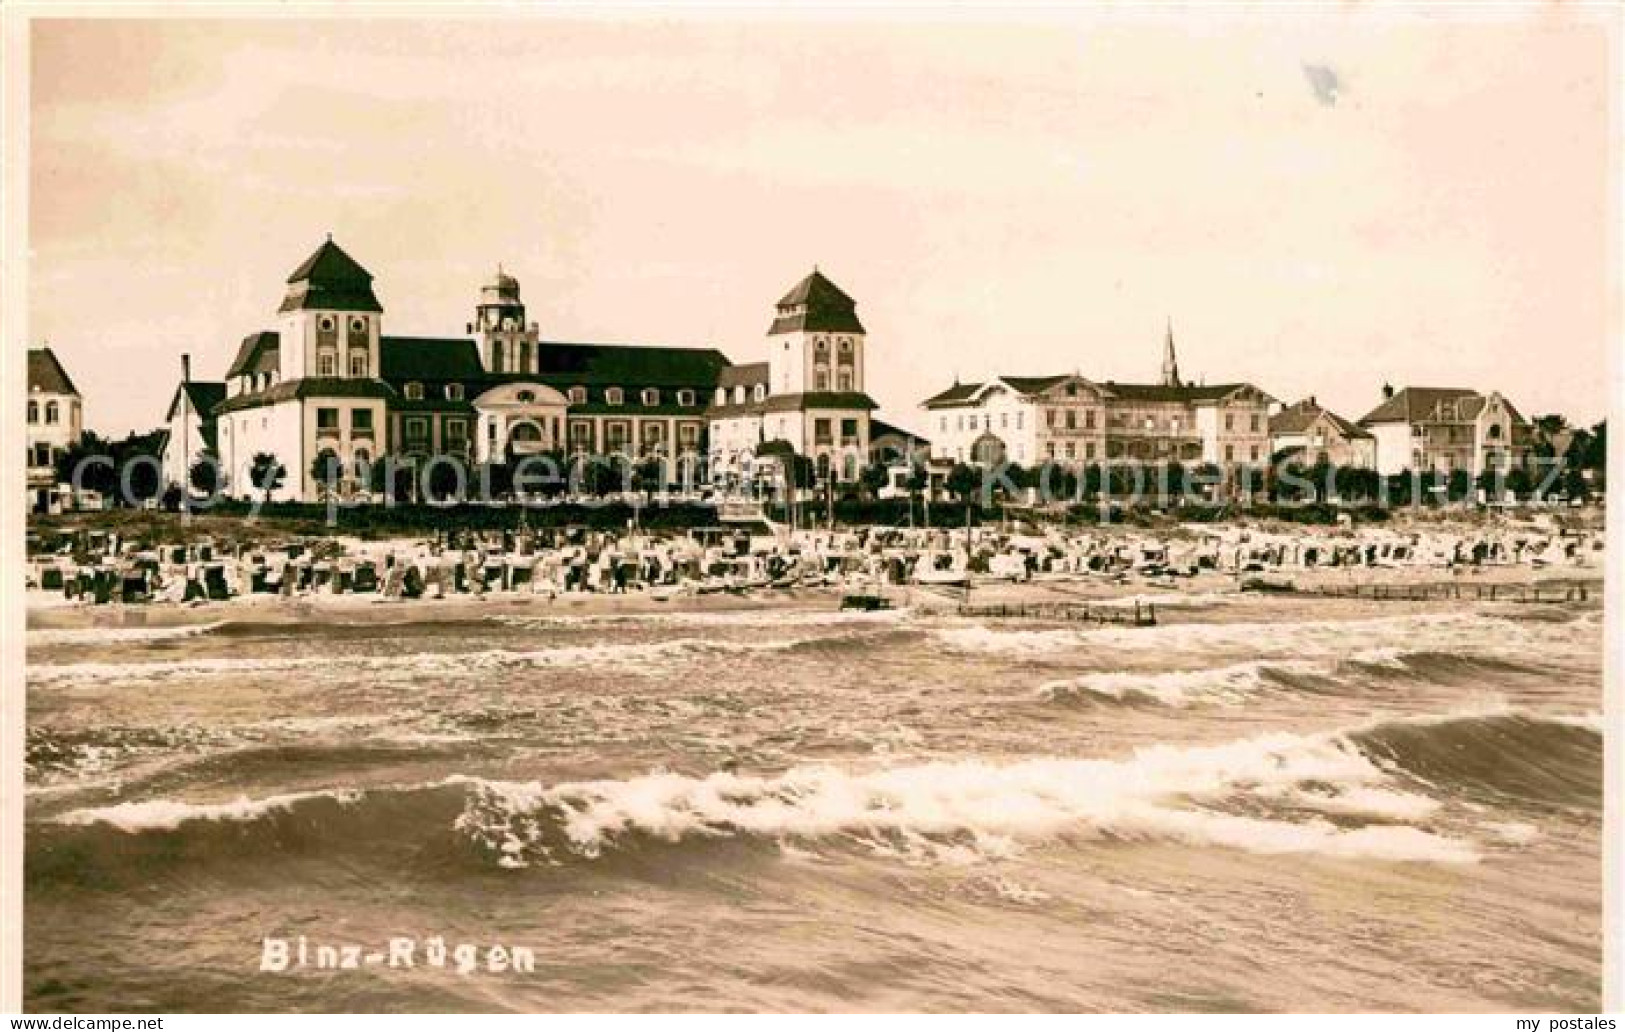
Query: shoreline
point(45, 611)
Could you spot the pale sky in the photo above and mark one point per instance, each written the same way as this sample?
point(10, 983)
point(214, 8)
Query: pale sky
point(1321, 203)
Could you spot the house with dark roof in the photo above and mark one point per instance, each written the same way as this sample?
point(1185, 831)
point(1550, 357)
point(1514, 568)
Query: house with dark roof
point(327, 381)
point(190, 427)
point(810, 392)
point(1310, 433)
point(1066, 418)
point(55, 421)
point(1444, 429)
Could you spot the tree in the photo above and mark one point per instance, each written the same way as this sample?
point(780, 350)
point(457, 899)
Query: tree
point(447, 476)
point(327, 469)
point(649, 474)
point(267, 473)
point(1350, 483)
point(1174, 483)
point(88, 464)
point(873, 478)
point(963, 481)
point(1518, 482)
point(1458, 485)
point(1322, 478)
point(206, 476)
point(496, 478)
point(1575, 484)
point(1402, 488)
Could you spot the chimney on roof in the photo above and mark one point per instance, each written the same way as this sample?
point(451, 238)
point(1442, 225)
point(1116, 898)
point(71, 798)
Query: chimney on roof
point(1387, 391)
point(186, 369)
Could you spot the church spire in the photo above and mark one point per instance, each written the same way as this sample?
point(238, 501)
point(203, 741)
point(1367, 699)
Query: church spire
point(1170, 364)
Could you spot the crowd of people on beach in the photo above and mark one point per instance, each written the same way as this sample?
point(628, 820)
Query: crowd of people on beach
point(99, 567)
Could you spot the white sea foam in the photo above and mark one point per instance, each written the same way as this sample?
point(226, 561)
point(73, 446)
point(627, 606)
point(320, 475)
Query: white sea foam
point(169, 814)
point(40, 637)
point(969, 809)
point(1294, 638)
point(650, 657)
point(1227, 685)
point(1513, 833)
point(718, 618)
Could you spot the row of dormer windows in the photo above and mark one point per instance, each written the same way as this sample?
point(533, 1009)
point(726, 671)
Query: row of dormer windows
point(414, 391)
point(650, 396)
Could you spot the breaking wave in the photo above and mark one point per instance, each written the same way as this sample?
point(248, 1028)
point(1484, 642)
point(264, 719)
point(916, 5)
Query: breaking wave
point(1228, 685)
point(1381, 792)
point(634, 657)
point(1417, 632)
point(40, 637)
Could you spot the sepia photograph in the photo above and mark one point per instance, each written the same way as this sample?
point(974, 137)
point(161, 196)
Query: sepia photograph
point(827, 509)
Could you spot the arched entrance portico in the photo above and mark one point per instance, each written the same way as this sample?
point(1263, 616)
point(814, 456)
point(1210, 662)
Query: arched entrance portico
point(519, 419)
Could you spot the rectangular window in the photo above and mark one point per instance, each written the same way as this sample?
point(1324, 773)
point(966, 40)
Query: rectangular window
point(358, 363)
point(1255, 422)
point(1071, 450)
point(417, 429)
point(688, 433)
point(456, 429)
point(1071, 419)
point(1229, 421)
point(685, 398)
point(361, 419)
point(844, 380)
point(1089, 419)
point(1089, 450)
point(821, 431)
point(849, 431)
point(1020, 418)
point(1049, 418)
point(327, 419)
point(1230, 453)
point(327, 364)
point(821, 380)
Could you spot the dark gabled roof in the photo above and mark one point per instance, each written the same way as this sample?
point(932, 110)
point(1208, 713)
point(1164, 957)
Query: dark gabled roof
point(748, 375)
point(258, 353)
point(1295, 419)
point(45, 373)
point(204, 395)
point(955, 395)
point(330, 279)
point(308, 387)
point(631, 366)
point(818, 305)
point(1033, 384)
point(879, 428)
point(433, 359)
point(1413, 404)
point(1186, 393)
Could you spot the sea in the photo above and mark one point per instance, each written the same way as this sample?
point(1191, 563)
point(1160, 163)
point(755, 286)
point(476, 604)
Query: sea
point(1263, 803)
